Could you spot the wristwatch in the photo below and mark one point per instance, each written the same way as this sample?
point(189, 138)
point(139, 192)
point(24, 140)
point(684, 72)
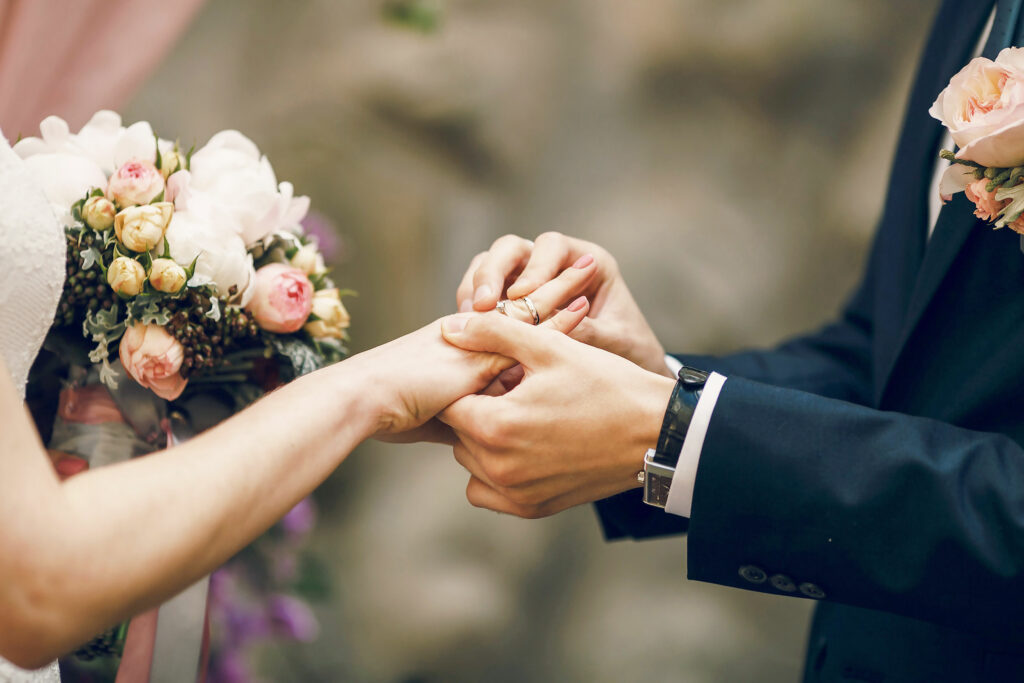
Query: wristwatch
point(660, 463)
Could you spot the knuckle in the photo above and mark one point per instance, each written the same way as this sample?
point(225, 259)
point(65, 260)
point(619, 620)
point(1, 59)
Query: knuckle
point(551, 237)
point(506, 241)
point(505, 474)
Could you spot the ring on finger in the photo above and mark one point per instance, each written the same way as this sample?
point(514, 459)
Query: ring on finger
point(502, 306)
point(533, 309)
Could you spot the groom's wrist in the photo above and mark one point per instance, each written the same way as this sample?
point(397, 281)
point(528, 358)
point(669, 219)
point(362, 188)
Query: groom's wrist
point(660, 463)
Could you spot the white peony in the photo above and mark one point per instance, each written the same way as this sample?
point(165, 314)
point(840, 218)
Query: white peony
point(103, 140)
point(223, 259)
point(229, 176)
point(64, 179)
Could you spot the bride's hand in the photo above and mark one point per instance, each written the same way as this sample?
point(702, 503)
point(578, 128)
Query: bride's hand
point(418, 375)
point(413, 378)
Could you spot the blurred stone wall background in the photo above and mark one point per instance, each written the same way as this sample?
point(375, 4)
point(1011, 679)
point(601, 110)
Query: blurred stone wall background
point(732, 155)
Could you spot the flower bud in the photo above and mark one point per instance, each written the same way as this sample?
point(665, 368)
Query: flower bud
point(308, 260)
point(98, 213)
point(333, 318)
point(167, 276)
point(141, 228)
point(171, 162)
point(282, 298)
point(126, 276)
point(134, 183)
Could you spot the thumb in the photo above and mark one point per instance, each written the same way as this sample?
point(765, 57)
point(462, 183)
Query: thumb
point(497, 333)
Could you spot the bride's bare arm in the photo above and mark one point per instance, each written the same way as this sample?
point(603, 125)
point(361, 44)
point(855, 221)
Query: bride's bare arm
point(79, 556)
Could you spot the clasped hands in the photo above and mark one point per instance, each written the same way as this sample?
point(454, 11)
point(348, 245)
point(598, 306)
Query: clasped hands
point(583, 396)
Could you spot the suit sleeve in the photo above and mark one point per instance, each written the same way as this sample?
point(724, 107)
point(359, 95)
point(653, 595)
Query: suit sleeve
point(880, 510)
point(834, 362)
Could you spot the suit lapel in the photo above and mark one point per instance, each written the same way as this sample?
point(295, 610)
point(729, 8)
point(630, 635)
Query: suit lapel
point(958, 27)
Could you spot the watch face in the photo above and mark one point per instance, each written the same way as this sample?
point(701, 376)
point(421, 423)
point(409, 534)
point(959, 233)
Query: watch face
point(656, 489)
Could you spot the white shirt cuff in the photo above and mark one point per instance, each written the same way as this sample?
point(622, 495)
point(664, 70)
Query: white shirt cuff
point(673, 365)
point(680, 494)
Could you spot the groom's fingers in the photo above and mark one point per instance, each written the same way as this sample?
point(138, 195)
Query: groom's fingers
point(569, 283)
point(552, 253)
point(506, 256)
point(464, 293)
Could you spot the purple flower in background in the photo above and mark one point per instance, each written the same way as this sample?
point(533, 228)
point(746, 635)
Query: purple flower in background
point(230, 667)
point(293, 618)
point(321, 227)
point(300, 519)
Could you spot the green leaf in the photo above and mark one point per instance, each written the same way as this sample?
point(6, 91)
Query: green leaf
point(299, 355)
point(158, 198)
point(90, 257)
point(159, 159)
point(167, 249)
point(188, 157)
point(214, 312)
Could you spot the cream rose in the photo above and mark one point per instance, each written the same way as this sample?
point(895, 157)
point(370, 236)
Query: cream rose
point(141, 228)
point(983, 108)
point(308, 260)
point(98, 213)
point(135, 182)
point(126, 276)
point(282, 298)
point(167, 276)
point(153, 358)
point(333, 318)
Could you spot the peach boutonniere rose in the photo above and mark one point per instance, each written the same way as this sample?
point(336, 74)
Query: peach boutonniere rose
point(983, 109)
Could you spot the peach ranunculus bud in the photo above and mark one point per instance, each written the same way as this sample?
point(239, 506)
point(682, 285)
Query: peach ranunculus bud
point(986, 206)
point(282, 298)
point(136, 182)
point(171, 162)
point(167, 276)
point(98, 213)
point(141, 228)
point(153, 358)
point(333, 319)
point(126, 276)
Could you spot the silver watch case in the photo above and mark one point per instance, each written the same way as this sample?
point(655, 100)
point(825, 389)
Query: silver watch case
point(657, 480)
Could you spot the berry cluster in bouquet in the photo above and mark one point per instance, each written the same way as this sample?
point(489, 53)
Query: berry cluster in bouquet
point(191, 290)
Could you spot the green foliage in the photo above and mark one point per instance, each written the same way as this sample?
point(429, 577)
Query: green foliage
point(297, 357)
point(419, 15)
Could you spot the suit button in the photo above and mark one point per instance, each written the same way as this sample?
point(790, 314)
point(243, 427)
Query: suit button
point(783, 583)
point(753, 574)
point(812, 591)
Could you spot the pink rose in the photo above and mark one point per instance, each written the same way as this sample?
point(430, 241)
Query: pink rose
point(987, 207)
point(137, 182)
point(983, 108)
point(153, 358)
point(282, 298)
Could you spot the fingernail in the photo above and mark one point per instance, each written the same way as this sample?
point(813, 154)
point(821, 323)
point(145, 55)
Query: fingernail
point(455, 324)
point(466, 306)
point(583, 261)
point(482, 292)
point(578, 304)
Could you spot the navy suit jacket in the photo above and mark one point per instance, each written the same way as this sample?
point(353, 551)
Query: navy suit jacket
point(880, 459)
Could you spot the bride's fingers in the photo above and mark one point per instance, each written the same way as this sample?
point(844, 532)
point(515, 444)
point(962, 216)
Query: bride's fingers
point(566, 320)
point(546, 299)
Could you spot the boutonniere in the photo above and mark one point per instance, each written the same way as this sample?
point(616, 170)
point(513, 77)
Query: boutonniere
point(983, 109)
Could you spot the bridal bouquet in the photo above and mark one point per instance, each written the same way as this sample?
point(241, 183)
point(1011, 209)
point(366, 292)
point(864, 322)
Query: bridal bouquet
point(191, 289)
point(983, 109)
point(187, 266)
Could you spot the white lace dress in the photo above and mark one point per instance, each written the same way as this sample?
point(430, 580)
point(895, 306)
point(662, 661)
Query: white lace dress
point(31, 278)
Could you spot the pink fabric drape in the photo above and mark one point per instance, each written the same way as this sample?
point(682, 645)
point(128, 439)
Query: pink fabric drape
point(72, 57)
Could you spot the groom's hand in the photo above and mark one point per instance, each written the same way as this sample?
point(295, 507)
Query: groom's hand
point(574, 430)
point(517, 267)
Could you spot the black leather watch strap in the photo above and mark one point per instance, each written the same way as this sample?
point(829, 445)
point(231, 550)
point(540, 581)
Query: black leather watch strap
point(678, 415)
